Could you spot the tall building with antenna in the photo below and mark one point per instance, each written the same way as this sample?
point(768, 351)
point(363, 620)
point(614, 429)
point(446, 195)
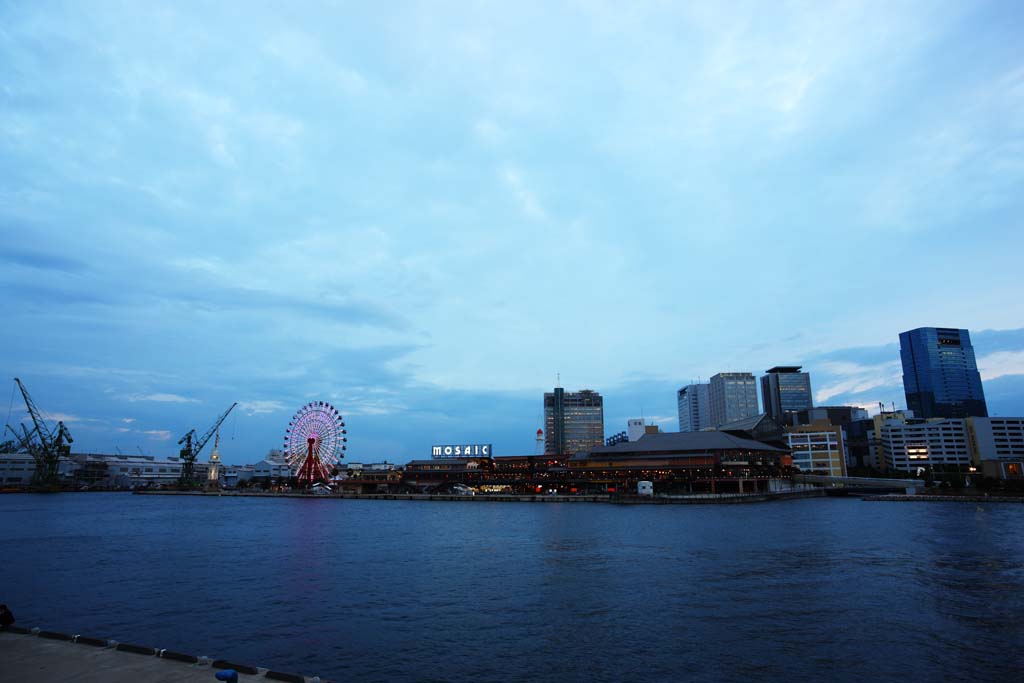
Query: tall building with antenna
point(694, 408)
point(573, 421)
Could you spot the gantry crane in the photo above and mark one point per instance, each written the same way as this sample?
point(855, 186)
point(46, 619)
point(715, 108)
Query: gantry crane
point(193, 445)
point(45, 445)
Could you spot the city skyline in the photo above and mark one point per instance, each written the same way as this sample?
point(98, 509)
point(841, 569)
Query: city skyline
point(423, 216)
point(259, 423)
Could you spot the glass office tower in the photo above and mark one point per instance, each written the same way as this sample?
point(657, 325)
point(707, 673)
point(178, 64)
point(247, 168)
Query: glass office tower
point(940, 373)
point(785, 391)
point(694, 408)
point(733, 396)
point(574, 421)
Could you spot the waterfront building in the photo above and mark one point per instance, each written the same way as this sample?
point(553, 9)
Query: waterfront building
point(940, 373)
point(759, 427)
point(732, 396)
point(784, 392)
point(942, 445)
point(1003, 469)
point(573, 421)
point(997, 438)
point(17, 469)
point(817, 448)
point(685, 462)
point(694, 408)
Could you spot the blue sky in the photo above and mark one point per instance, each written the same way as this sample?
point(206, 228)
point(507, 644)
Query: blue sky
point(422, 215)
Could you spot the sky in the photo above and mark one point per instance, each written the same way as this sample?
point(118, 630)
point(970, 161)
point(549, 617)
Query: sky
point(428, 214)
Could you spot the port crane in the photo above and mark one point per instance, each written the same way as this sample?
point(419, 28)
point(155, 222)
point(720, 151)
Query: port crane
point(46, 446)
point(193, 445)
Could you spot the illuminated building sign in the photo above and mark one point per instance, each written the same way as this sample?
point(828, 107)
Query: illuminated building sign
point(463, 451)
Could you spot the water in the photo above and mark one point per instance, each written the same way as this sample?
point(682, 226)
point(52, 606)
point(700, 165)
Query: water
point(824, 589)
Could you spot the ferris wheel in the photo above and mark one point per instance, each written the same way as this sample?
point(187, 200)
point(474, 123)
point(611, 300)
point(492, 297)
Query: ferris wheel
point(314, 442)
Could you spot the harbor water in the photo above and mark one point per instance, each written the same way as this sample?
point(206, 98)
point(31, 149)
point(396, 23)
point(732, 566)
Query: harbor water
point(355, 590)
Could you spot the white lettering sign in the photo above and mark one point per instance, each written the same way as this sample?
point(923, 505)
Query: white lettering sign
point(466, 450)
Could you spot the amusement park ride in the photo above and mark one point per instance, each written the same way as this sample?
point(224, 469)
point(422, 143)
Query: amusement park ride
point(46, 446)
point(314, 442)
point(190, 451)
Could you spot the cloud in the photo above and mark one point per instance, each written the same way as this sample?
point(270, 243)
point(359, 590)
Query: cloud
point(855, 378)
point(528, 201)
point(41, 260)
point(157, 434)
point(127, 420)
point(1000, 364)
point(261, 407)
point(67, 418)
point(161, 398)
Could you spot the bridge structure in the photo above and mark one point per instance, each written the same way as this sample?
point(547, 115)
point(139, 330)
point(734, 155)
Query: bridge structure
point(861, 484)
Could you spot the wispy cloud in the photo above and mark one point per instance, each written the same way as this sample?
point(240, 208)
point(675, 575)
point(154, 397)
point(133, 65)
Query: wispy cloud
point(1000, 364)
point(161, 398)
point(157, 434)
point(68, 418)
point(854, 378)
point(262, 407)
point(523, 193)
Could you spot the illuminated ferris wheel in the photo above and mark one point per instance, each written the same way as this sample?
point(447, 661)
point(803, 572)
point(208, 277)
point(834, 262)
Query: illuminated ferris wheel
point(314, 442)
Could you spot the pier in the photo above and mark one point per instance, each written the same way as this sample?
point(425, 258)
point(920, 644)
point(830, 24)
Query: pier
point(53, 657)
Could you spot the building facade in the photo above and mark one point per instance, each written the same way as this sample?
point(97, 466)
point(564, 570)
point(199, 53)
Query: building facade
point(573, 421)
point(818, 448)
point(997, 438)
point(694, 408)
point(940, 373)
point(785, 391)
point(732, 396)
point(941, 445)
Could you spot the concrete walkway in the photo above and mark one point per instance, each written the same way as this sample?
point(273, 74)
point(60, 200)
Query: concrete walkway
point(43, 660)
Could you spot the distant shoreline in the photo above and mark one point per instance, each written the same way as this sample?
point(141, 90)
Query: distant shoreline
point(725, 498)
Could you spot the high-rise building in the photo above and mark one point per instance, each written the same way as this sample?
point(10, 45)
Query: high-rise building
point(940, 373)
point(694, 409)
point(573, 421)
point(732, 396)
point(785, 391)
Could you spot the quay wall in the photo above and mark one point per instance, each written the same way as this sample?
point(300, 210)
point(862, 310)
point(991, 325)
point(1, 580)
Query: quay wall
point(51, 656)
point(723, 498)
point(928, 498)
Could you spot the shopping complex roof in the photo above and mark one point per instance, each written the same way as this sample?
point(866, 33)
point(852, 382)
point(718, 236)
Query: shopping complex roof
point(681, 442)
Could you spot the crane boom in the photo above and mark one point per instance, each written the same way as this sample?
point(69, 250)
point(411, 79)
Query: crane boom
point(49, 447)
point(210, 432)
point(193, 446)
point(35, 414)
